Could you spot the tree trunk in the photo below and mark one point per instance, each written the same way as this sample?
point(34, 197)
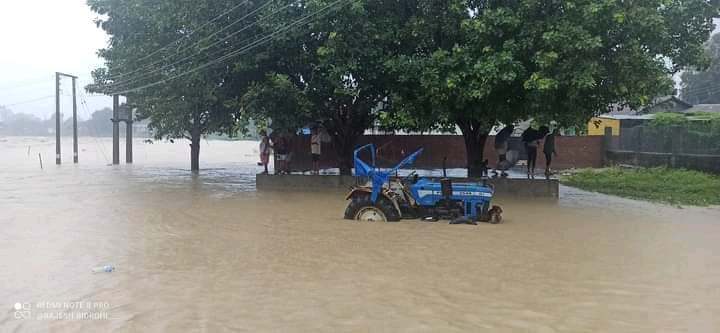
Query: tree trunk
point(348, 125)
point(344, 147)
point(475, 139)
point(195, 149)
point(345, 155)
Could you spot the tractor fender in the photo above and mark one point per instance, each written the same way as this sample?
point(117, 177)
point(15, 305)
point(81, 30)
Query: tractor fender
point(359, 190)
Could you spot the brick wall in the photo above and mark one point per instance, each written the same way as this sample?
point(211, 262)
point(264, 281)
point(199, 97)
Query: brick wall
point(573, 151)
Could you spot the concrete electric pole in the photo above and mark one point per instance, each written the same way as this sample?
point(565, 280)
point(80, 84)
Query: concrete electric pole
point(58, 118)
point(122, 113)
point(75, 129)
point(116, 129)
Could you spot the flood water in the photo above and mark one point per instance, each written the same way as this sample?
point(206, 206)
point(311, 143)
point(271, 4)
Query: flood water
point(210, 254)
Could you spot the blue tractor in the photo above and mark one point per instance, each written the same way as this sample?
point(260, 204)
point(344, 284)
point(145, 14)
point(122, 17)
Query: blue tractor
point(384, 198)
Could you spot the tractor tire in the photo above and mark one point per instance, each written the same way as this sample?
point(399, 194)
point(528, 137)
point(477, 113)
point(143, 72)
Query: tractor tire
point(361, 203)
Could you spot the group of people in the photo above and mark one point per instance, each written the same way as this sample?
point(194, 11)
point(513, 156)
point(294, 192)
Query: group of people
point(280, 144)
point(531, 139)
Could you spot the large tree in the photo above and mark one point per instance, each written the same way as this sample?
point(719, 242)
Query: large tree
point(701, 85)
point(478, 63)
point(165, 57)
point(336, 63)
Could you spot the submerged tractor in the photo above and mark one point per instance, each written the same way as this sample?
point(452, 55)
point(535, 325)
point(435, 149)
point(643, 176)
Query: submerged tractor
point(384, 198)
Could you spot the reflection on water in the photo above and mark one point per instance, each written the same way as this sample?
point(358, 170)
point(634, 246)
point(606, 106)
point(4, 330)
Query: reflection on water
point(208, 253)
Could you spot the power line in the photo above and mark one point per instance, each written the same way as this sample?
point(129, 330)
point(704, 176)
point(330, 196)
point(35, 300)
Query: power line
point(145, 75)
point(30, 101)
point(30, 82)
point(257, 43)
point(702, 94)
point(19, 87)
point(184, 37)
point(700, 87)
point(700, 91)
point(83, 103)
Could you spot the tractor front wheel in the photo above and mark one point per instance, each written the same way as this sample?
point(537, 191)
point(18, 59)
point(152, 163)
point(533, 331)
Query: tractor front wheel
point(361, 208)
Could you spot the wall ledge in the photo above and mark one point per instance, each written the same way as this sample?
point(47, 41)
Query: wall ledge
point(536, 188)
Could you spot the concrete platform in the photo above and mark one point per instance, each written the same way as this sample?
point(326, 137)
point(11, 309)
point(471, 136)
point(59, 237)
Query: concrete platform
point(537, 188)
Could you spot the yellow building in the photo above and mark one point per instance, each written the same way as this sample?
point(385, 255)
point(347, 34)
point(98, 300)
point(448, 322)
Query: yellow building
point(596, 126)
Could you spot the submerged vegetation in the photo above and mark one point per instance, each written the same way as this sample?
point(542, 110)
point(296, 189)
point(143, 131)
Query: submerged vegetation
point(665, 185)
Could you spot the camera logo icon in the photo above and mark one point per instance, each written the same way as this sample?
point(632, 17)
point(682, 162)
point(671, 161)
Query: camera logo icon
point(22, 310)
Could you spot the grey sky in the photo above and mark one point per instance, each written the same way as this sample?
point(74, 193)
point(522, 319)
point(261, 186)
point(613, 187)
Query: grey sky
point(38, 38)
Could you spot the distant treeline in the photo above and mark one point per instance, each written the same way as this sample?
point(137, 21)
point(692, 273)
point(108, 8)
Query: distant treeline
point(22, 124)
point(99, 125)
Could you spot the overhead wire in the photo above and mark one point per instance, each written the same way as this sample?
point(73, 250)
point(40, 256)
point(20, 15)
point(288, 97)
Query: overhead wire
point(695, 92)
point(704, 94)
point(29, 101)
point(259, 42)
point(192, 32)
point(27, 83)
point(147, 74)
point(83, 103)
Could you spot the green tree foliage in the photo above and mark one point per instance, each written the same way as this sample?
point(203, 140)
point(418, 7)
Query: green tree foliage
point(703, 86)
point(477, 63)
point(697, 133)
point(165, 83)
point(416, 64)
point(277, 103)
point(337, 63)
point(667, 119)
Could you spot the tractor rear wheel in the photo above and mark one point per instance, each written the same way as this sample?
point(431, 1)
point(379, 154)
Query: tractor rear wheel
point(361, 208)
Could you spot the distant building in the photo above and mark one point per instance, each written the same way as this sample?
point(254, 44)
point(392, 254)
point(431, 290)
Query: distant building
point(624, 117)
point(666, 104)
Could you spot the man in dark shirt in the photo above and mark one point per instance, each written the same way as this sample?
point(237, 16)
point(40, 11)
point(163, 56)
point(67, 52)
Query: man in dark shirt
point(549, 150)
point(531, 139)
point(282, 147)
point(501, 147)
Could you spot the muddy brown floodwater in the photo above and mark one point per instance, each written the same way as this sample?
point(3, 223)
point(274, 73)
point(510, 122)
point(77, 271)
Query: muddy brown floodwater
point(211, 254)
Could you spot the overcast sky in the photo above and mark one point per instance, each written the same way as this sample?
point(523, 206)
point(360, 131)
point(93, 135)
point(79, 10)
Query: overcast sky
point(39, 38)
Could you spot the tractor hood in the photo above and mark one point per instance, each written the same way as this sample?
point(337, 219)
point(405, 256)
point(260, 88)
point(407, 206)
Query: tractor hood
point(427, 192)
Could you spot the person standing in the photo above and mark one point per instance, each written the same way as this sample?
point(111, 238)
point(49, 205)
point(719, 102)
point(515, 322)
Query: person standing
point(280, 144)
point(264, 150)
point(501, 147)
point(531, 139)
point(315, 149)
point(549, 150)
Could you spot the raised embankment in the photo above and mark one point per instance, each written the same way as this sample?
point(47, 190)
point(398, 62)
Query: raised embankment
point(539, 188)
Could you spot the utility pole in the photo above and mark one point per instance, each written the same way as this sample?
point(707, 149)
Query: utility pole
point(128, 138)
point(57, 118)
point(128, 132)
point(116, 129)
point(75, 129)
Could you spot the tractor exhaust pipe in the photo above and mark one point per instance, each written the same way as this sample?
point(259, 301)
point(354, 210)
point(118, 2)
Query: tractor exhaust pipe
point(445, 183)
point(443, 166)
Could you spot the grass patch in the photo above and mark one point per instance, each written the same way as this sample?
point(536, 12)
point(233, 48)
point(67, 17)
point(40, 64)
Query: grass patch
point(673, 186)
